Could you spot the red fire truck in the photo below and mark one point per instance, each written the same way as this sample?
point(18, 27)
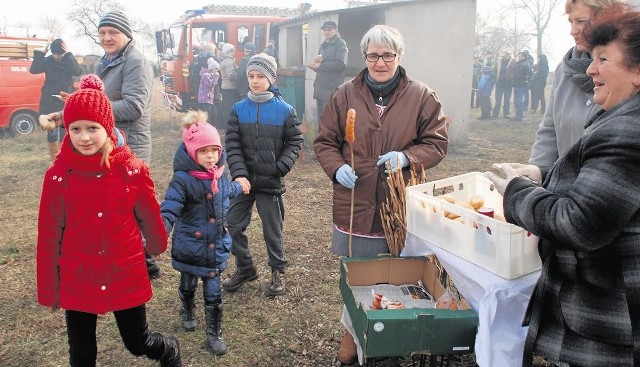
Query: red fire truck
point(198, 32)
point(19, 89)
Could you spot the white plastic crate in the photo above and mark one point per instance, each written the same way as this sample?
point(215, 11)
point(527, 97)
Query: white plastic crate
point(499, 247)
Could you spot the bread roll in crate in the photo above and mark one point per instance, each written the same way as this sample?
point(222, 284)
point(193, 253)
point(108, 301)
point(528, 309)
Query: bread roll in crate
point(446, 213)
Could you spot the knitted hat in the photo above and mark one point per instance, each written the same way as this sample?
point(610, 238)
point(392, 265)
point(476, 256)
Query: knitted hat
point(90, 103)
point(228, 48)
point(56, 46)
point(117, 20)
point(199, 134)
point(212, 64)
point(264, 64)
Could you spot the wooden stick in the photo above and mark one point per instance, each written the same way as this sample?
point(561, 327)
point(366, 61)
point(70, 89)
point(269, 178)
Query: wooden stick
point(351, 138)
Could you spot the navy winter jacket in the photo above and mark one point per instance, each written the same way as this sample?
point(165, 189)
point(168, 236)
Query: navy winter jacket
point(263, 141)
point(200, 244)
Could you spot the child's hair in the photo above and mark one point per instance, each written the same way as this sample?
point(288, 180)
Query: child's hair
point(106, 150)
point(198, 132)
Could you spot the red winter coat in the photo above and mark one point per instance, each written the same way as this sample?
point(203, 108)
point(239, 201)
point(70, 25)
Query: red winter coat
point(90, 255)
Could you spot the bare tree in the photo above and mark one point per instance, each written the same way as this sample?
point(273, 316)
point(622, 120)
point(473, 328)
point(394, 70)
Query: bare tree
point(539, 11)
point(520, 31)
point(52, 25)
point(86, 15)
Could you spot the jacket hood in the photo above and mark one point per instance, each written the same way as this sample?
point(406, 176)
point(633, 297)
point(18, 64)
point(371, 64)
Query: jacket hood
point(182, 161)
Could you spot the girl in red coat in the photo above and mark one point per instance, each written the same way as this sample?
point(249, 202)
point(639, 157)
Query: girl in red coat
point(97, 201)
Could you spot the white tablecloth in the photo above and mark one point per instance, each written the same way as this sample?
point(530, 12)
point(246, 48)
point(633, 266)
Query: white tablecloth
point(500, 304)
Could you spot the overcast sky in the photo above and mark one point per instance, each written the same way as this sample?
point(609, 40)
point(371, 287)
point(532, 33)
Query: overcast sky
point(15, 12)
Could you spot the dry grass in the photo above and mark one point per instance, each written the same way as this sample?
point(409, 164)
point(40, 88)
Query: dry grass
point(300, 328)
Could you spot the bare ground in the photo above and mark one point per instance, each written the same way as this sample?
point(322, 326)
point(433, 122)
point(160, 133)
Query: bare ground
point(300, 328)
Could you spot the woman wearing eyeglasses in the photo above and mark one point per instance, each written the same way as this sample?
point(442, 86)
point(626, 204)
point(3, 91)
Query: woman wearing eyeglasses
point(399, 124)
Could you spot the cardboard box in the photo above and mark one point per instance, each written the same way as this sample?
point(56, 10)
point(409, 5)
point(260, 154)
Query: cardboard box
point(402, 332)
point(502, 248)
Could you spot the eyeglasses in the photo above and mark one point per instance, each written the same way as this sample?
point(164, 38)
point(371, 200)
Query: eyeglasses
point(387, 57)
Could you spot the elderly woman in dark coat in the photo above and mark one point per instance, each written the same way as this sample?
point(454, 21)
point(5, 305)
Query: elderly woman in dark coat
point(585, 309)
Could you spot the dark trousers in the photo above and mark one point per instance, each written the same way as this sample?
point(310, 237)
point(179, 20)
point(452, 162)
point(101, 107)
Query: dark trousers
point(132, 323)
point(503, 99)
point(271, 212)
point(320, 103)
point(211, 290)
point(212, 115)
point(537, 96)
point(229, 98)
point(485, 106)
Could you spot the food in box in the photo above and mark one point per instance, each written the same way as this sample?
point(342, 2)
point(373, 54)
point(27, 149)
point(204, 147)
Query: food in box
point(405, 331)
point(499, 247)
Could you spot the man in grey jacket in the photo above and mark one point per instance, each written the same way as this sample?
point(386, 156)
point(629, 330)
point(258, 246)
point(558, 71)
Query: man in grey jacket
point(329, 65)
point(128, 79)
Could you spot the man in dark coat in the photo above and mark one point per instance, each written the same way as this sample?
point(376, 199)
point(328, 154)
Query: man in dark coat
point(329, 65)
point(59, 68)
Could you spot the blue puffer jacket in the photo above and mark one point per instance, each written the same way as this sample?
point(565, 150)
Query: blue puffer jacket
point(263, 141)
point(200, 244)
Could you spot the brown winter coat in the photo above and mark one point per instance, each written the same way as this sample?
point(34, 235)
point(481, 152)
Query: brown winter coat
point(412, 123)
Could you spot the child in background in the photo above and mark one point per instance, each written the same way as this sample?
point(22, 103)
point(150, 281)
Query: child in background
point(97, 201)
point(485, 88)
point(195, 206)
point(209, 78)
point(263, 140)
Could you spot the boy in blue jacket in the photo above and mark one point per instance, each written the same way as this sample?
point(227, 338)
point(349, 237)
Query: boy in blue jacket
point(485, 88)
point(195, 206)
point(263, 141)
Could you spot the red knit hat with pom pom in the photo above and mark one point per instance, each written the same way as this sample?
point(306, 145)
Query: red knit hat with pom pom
point(90, 103)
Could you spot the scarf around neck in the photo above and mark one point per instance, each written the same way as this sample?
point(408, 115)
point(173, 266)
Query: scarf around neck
point(575, 64)
point(261, 97)
point(382, 92)
point(213, 174)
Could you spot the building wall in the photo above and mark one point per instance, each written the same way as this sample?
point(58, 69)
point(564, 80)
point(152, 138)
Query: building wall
point(439, 38)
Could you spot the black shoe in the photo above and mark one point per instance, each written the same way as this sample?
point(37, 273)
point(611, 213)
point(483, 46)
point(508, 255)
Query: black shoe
point(239, 278)
point(276, 287)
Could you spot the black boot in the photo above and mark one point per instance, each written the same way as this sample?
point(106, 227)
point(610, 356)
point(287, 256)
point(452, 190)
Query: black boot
point(170, 356)
point(188, 311)
point(240, 277)
point(152, 266)
point(215, 342)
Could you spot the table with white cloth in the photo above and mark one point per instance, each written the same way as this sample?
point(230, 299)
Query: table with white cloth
point(500, 303)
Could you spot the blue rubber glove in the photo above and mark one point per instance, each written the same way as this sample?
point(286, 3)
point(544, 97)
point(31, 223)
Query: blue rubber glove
point(346, 177)
point(393, 161)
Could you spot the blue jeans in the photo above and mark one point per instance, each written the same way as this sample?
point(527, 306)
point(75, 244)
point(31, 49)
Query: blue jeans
point(518, 100)
point(211, 290)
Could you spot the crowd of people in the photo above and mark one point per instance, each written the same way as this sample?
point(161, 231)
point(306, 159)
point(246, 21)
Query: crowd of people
point(522, 77)
point(578, 192)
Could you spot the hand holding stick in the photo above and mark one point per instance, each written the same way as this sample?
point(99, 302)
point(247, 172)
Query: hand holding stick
point(351, 138)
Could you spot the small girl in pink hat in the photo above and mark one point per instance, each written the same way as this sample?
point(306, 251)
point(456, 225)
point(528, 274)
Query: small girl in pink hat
point(195, 206)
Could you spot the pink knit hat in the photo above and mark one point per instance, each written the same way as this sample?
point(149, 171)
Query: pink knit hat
point(200, 134)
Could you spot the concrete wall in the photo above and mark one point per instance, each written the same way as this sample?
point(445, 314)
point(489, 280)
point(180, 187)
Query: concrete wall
point(439, 40)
